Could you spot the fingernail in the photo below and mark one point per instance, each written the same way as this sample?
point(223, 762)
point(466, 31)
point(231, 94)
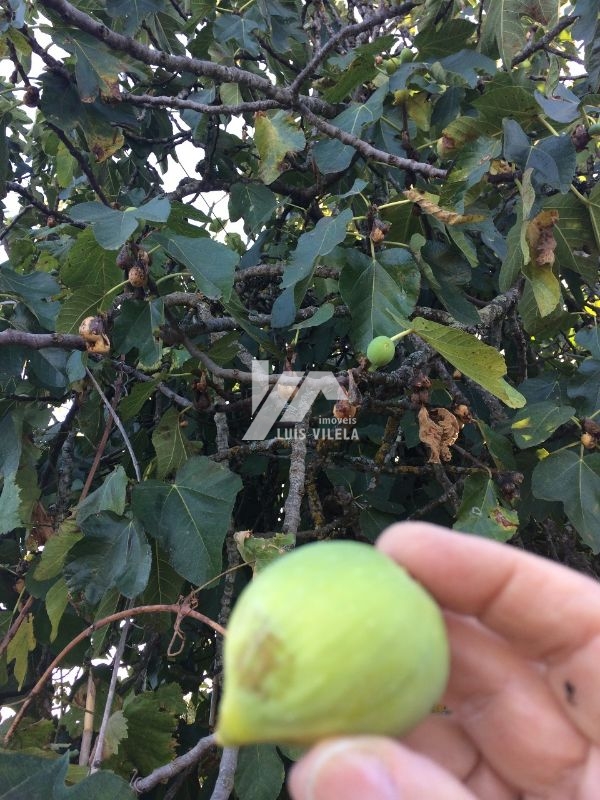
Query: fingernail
point(343, 771)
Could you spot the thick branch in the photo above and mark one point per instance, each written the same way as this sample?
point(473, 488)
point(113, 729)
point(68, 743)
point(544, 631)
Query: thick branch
point(225, 779)
point(368, 151)
point(40, 341)
point(179, 64)
point(297, 474)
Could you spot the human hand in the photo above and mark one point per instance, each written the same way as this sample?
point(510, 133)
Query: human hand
point(524, 689)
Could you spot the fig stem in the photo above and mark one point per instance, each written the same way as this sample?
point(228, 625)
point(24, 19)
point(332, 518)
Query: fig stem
point(397, 336)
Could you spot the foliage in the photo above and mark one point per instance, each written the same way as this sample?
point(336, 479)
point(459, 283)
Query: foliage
point(427, 172)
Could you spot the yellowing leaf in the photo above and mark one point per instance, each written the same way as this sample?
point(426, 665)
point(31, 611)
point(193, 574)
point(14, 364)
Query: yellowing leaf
point(417, 106)
point(475, 359)
point(19, 648)
point(275, 136)
point(103, 147)
point(428, 204)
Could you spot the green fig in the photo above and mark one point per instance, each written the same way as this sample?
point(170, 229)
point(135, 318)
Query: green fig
point(332, 639)
point(381, 351)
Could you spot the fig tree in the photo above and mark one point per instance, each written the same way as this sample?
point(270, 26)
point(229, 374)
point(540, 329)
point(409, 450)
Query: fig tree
point(332, 639)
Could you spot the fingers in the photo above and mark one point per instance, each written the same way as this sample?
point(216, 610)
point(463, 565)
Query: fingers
point(372, 768)
point(504, 705)
point(542, 608)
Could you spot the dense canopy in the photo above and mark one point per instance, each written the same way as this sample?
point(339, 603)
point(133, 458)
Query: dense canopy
point(196, 194)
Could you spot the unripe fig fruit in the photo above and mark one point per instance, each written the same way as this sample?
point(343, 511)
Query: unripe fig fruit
point(381, 351)
point(594, 130)
point(331, 639)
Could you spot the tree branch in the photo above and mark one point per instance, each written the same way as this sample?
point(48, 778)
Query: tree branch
point(40, 341)
point(118, 423)
point(178, 64)
point(345, 33)
point(110, 696)
point(368, 151)
point(81, 160)
point(12, 186)
point(178, 399)
point(225, 779)
point(545, 40)
point(164, 101)
point(103, 441)
point(182, 611)
point(10, 633)
point(167, 771)
point(297, 475)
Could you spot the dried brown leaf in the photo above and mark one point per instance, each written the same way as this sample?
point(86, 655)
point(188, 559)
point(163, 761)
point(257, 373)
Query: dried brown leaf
point(430, 433)
point(427, 203)
point(540, 237)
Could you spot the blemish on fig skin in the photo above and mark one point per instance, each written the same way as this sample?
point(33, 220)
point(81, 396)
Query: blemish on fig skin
point(264, 656)
point(570, 693)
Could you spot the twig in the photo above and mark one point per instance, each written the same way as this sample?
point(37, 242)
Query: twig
point(13, 186)
point(18, 66)
point(179, 10)
point(545, 40)
point(166, 101)
point(448, 487)
point(49, 61)
point(14, 221)
point(182, 611)
point(238, 375)
point(112, 688)
point(160, 387)
point(225, 779)
point(10, 633)
point(368, 151)
point(103, 441)
point(118, 423)
point(167, 771)
point(345, 33)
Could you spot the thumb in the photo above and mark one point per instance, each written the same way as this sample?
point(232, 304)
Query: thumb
point(371, 768)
